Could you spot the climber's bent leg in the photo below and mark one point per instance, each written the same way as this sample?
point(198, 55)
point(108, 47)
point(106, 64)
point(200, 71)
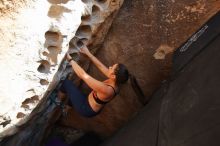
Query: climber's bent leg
point(78, 100)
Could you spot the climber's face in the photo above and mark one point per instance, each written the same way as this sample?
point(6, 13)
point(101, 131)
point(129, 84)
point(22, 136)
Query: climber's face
point(112, 70)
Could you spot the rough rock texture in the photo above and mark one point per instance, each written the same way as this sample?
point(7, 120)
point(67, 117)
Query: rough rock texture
point(185, 110)
point(36, 35)
point(27, 69)
point(143, 37)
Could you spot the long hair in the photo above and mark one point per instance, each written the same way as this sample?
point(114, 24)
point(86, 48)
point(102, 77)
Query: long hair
point(122, 75)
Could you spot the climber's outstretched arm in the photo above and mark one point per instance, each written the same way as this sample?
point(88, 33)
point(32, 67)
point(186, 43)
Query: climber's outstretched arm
point(97, 63)
point(90, 81)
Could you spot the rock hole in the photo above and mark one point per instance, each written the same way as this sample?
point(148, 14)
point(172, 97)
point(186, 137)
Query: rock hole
point(84, 31)
point(26, 101)
point(52, 35)
point(113, 2)
point(4, 121)
point(44, 67)
point(95, 9)
point(52, 39)
point(35, 98)
point(56, 11)
point(94, 36)
point(57, 1)
point(74, 46)
point(84, 40)
point(44, 82)
point(86, 18)
point(20, 115)
point(45, 53)
point(79, 44)
point(75, 56)
point(96, 13)
point(25, 106)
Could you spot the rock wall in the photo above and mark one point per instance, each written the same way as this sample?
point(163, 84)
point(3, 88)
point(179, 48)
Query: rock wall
point(36, 35)
point(143, 37)
point(146, 32)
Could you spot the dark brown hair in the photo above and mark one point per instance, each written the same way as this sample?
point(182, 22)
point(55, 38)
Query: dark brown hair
point(121, 73)
point(122, 76)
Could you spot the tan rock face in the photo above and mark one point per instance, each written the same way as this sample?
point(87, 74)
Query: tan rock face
point(35, 37)
point(143, 37)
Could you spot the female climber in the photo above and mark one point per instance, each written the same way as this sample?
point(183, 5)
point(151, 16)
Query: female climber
point(102, 91)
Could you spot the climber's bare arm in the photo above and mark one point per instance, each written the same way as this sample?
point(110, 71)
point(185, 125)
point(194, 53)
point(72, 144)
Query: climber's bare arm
point(97, 63)
point(90, 81)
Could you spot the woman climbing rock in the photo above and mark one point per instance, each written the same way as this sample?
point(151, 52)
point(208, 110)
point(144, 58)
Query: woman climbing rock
point(102, 91)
